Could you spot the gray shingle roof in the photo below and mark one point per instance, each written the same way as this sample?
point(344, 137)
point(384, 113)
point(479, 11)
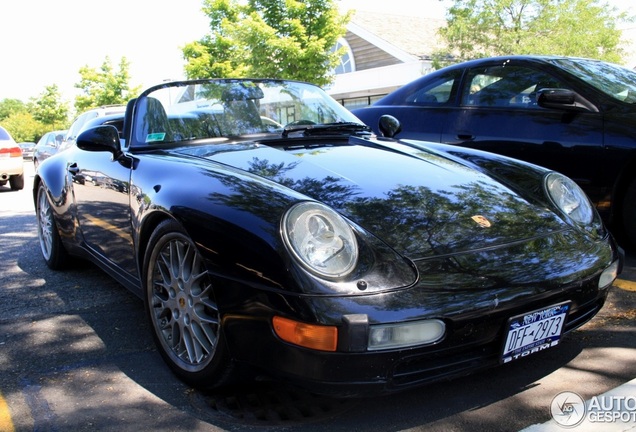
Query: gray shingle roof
point(414, 35)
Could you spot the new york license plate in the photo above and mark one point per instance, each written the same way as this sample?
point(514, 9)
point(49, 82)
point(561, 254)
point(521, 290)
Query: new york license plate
point(534, 331)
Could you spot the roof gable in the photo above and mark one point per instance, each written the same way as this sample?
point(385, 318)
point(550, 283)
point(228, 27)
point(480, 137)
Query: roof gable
point(406, 38)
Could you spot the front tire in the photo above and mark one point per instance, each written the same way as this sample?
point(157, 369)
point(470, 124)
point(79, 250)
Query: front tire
point(51, 245)
point(180, 305)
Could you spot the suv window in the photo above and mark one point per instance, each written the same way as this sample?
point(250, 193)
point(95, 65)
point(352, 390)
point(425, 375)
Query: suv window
point(82, 119)
point(78, 123)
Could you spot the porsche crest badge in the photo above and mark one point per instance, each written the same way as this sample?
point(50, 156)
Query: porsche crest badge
point(481, 221)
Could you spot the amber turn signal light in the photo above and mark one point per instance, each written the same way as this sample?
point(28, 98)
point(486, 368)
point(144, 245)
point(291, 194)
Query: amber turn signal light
point(323, 338)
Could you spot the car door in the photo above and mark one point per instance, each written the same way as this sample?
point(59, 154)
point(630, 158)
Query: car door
point(498, 112)
point(101, 190)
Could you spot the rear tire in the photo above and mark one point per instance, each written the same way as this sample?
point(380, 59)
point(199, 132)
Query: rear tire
point(17, 182)
point(51, 245)
point(181, 308)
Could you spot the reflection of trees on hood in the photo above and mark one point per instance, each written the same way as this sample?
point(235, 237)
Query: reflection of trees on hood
point(412, 217)
point(415, 220)
point(271, 171)
point(266, 201)
point(327, 190)
point(423, 223)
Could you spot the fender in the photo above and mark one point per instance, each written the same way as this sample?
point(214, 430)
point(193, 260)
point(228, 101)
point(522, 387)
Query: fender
point(53, 172)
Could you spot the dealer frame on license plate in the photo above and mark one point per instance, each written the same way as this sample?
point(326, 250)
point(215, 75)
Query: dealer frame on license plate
point(534, 331)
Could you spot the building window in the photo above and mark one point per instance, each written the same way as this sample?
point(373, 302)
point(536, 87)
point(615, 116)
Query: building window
point(360, 102)
point(347, 63)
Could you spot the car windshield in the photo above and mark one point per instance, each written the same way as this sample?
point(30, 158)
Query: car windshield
point(224, 109)
point(613, 80)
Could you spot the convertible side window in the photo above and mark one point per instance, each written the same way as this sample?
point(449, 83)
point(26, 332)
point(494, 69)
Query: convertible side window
point(506, 86)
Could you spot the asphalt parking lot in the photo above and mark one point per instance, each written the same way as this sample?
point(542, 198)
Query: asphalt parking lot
point(76, 354)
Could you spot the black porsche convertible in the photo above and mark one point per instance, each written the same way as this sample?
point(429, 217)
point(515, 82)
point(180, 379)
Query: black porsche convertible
point(268, 230)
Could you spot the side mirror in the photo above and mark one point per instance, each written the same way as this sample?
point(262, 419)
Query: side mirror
point(389, 126)
point(563, 99)
point(100, 138)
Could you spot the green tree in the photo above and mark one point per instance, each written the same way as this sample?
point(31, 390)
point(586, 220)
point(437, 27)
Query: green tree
point(23, 127)
point(286, 39)
point(104, 86)
point(49, 109)
point(482, 28)
point(11, 106)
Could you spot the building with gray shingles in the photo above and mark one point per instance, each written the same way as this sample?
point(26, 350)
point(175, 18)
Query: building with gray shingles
point(384, 52)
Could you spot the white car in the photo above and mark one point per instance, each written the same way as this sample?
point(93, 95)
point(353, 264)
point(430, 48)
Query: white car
point(11, 163)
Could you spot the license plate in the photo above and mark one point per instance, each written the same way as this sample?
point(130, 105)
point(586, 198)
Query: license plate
point(534, 331)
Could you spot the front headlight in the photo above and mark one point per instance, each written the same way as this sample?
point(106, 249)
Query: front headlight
point(569, 198)
point(320, 239)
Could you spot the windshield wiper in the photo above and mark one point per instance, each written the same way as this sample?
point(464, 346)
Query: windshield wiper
point(345, 128)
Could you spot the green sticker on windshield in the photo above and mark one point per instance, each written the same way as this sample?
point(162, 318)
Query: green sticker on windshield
point(154, 137)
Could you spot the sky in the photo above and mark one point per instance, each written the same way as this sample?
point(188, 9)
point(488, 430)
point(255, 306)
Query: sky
point(46, 42)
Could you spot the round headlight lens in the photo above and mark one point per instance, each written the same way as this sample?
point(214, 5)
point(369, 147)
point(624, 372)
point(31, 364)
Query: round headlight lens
point(569, 198)
point(321, 239)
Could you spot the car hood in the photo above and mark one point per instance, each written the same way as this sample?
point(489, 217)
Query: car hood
point(420, 203)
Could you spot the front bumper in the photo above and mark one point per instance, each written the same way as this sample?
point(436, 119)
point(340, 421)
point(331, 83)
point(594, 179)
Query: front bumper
point(11, 166)
point(473, 342)
point(475, 295)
